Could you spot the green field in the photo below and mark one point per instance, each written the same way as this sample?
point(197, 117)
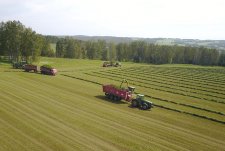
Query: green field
point(69, 111)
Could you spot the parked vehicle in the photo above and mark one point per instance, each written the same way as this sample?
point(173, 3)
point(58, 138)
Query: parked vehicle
point(111, 64)
point(46, 69)
point(106, 64)
point(19, 65)
point(117, 64)
point(30, 67)
point(118, 93)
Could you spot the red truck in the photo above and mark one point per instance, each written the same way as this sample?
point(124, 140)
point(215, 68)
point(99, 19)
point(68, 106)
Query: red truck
point(118, 93)
point(48, 70)
point(30, 67)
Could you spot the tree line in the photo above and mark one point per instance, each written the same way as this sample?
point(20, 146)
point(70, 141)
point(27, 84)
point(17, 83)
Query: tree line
point(21, 43)
point(138, 51)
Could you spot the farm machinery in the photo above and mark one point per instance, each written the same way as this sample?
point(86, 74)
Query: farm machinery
point(44, 69)
point(111, 64)
point(19, 65)
point(30, 67)
point(116, 93)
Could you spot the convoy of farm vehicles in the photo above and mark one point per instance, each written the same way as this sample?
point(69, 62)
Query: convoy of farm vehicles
point(111, 91)
point(44, 69)
point(115, 93)
point(30, 67)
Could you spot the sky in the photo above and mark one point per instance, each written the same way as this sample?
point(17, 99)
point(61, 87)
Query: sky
point(186, 19)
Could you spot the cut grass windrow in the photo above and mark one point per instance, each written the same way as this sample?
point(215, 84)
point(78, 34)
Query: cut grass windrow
point(164, 82)
point(187, 83)
point(166, 99)
point(156, 87)
point(178, 77)
point(179, 74)
point(161, 106)
point(192, 72)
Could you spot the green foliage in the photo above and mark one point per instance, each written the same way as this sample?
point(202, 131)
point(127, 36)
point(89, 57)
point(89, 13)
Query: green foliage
point(91, 48)
point(118, 87)
point(69, 48)
point(47, 66)
point(222, 59)
point(47, 49)
point(11, 32)
point(112, 52)
point(213, 44)
point(137, 51)
point(21, 43)
point(60, 48)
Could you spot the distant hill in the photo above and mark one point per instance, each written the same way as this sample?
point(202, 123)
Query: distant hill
point(217, 44)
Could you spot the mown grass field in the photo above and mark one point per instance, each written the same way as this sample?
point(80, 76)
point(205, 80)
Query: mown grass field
point(69, 111)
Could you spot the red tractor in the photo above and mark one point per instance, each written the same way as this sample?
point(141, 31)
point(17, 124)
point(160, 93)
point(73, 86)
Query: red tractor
point(118, 93)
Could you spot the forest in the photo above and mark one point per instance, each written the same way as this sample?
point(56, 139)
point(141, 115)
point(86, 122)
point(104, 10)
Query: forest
point(139, 51)
point(19, 42)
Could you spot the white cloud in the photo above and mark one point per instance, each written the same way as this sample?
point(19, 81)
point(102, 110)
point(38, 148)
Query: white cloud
point(204, 19)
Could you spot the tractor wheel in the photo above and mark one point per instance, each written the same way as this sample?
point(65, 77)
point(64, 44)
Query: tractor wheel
point(107, 95)
point(134, 103)
point(115, 98)
point(144, 106)
point(111, 97)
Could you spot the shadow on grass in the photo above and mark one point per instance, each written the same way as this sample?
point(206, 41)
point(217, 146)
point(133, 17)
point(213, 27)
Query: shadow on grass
point(32, 72)
point(102, 97)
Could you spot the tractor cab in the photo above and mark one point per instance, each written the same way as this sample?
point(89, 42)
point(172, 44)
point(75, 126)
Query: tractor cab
point(19, 65)
point(141, 102)
point(131, 89)
point(140, 97)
